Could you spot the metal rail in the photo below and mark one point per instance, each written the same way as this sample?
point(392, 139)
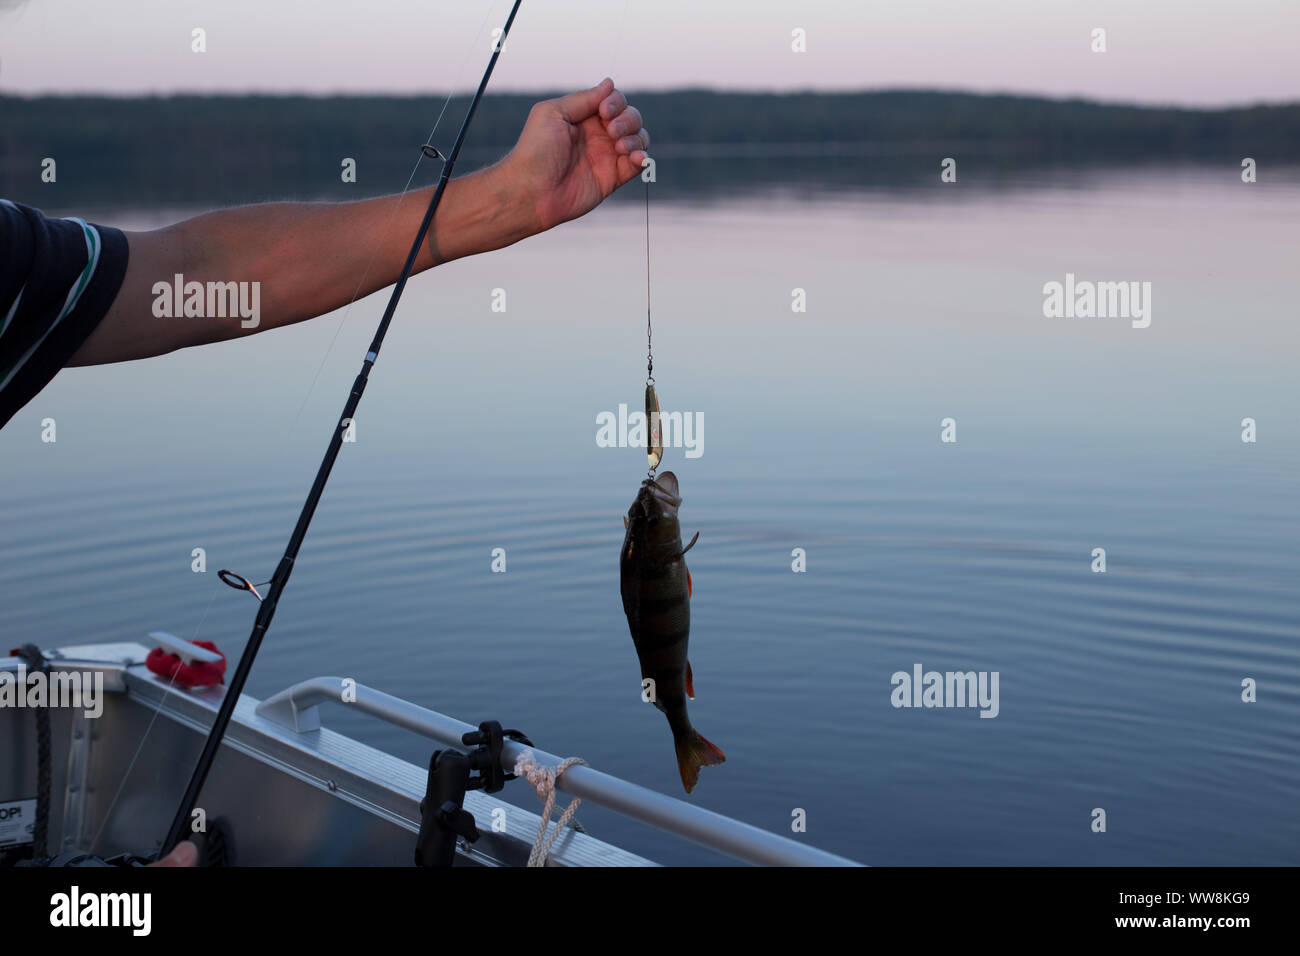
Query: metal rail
point(297, 708)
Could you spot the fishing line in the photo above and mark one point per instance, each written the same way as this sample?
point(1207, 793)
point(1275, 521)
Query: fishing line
point(392, 216)
point(618, 52)
point(654, 438)
point(654, 446)
point(347, 309)
point(108, 813)
point(266, 608)
point(622, 31)
point(649, 333)
point(244, 583)
point(401, 197)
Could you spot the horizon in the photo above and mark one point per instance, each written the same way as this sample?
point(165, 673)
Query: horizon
point(1191, 55)
point(512, 91)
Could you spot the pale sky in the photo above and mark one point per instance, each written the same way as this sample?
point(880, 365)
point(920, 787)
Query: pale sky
point(1191, 52)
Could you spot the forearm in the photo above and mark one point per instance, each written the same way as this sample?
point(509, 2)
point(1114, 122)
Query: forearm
point(307, 258)
point(313, 258)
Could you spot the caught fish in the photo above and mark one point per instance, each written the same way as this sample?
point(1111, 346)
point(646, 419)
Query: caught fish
point(656, 589)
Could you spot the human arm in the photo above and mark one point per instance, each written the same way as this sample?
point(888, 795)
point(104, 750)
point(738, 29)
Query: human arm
point(312, 258)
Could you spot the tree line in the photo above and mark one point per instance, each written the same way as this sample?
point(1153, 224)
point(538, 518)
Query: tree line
point(203, 147)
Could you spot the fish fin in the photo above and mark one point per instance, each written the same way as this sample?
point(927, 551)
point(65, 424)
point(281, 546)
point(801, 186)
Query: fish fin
point(689, 546)
point(690, 682)
point(694, 752)
point(690, 588)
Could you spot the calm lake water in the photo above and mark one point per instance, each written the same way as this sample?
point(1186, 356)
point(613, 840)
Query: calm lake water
point(1120, 690)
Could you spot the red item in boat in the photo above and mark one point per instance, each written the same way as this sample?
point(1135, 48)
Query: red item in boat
point(197, 674)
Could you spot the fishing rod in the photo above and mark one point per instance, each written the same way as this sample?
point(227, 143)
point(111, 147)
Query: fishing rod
point(266, 610)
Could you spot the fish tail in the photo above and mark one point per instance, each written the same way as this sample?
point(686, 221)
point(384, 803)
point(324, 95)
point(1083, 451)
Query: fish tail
point(694, 752)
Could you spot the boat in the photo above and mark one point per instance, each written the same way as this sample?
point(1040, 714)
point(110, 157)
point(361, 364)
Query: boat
point(286, 789)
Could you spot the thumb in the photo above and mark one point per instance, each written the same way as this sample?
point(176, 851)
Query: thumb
point(185, 854)
point(576, 107)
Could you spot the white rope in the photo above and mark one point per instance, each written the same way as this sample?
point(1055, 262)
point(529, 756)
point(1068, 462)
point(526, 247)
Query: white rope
point(543, 780)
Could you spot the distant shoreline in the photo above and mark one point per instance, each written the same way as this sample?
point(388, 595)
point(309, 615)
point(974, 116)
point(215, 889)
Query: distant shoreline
point(691, 115)
point(242, 148)
point(635, 93)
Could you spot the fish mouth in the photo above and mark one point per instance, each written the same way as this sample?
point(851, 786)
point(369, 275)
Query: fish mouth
point(664, 490)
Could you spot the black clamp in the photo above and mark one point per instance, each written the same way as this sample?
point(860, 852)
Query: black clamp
point(487, 742)
point(32, 657)
point(443, 816)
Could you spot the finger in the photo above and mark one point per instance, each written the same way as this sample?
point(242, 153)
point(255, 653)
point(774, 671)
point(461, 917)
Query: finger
point(576, 107)
point(185, 854)
point(612, 105)
point(636, 160)
point(626, 123)
point(630, 144)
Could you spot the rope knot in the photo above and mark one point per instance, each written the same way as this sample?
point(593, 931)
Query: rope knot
point(542, 779)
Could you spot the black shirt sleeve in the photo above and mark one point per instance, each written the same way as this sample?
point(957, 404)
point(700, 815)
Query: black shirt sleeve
point(58, 278)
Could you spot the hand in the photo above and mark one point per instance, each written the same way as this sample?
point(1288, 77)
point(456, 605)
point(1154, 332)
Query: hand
point(185, 854)
point(576, 150)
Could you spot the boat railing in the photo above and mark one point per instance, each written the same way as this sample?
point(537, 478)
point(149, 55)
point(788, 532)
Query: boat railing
point(298, 709)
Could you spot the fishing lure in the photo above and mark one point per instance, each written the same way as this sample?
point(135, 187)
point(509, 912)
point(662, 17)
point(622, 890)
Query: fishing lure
point(654, 448)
